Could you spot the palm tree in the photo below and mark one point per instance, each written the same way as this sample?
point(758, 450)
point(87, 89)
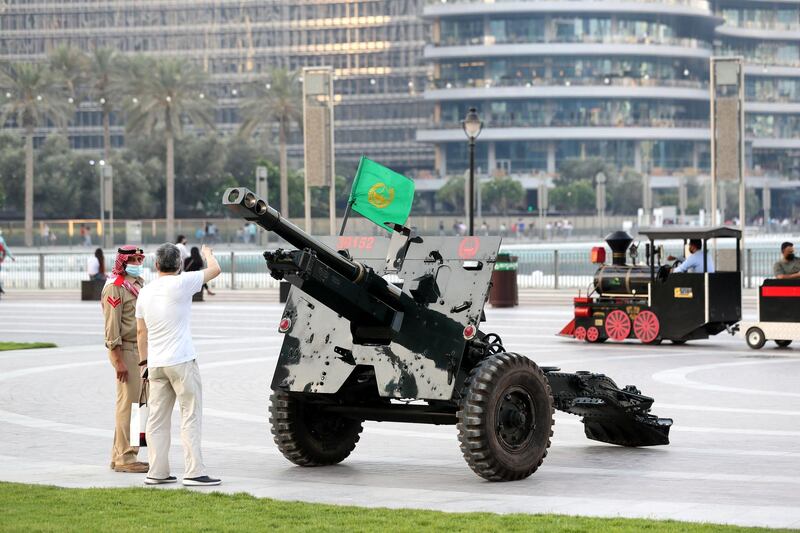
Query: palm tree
point(103, 68)
point(69, 65)
point(279, 100)
point(162, 94)
point(30, 95)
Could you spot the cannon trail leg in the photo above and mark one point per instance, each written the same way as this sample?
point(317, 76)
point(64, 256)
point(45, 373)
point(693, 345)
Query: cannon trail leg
point(610, 414)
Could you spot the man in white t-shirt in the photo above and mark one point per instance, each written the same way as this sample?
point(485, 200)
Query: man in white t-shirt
point(164, 333)
point(180, 242)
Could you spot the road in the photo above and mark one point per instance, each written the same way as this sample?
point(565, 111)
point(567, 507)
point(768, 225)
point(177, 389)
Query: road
point(734, 457)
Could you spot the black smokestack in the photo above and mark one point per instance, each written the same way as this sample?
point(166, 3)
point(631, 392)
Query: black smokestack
point(618, 242)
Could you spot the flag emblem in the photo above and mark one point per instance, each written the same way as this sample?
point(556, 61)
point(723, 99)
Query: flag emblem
point(380, 195)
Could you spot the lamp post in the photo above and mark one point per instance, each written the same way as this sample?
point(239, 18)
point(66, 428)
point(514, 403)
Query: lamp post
point(262, 191)
point(472, 126)
point(600, 180)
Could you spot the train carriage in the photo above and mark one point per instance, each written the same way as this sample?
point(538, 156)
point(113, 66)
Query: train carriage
point(778, 314)
point(650, 302)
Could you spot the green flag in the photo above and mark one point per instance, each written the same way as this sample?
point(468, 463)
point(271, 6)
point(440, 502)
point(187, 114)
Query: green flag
point(381, 194)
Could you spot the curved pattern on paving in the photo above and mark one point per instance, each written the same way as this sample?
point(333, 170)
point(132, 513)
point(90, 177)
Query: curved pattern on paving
point(718, 442)
point(679, 377)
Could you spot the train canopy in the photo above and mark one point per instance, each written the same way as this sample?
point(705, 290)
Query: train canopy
point(691, 232)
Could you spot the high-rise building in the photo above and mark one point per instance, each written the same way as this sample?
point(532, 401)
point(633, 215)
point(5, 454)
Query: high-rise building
point(623, 80)
point(375, 47)
point(767, 35)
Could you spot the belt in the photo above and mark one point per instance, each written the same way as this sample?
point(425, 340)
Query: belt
point(129, 342)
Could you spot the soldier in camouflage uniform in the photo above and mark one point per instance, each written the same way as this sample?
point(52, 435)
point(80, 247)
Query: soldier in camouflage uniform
point(119, 307)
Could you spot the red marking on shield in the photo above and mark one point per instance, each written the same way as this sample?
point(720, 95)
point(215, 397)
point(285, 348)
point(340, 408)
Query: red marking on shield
point(113, 302)
point(468, 248)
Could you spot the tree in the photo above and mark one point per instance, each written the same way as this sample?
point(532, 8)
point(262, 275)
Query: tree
point(278, 100)
point(69, 65)
point(103, 68)
point(572, 170)
point(12, 170)
point(452, 193)
point(577, 197)
point(32, 96)
point(624, 192)
point(503, 193)
point(162, 94)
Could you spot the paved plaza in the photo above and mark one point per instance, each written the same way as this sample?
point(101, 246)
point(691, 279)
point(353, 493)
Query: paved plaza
point(734, 457)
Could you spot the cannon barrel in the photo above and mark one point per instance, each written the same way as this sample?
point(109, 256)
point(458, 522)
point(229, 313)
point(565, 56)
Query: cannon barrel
point(246, 204)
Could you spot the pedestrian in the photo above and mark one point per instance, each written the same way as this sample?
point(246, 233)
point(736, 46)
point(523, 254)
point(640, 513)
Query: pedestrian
point(194, 263)
point(5, 252)
point(119, 308)
point(788, 266)
point(484, 228)
point(87, 236)
point(441, 227)
point(45, 235)
point(96, 266)
point(180, 242)
point(163, 318)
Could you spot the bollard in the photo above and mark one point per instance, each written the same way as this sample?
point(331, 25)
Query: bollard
point(233, 271)
point(555, 269)
point(749, 267)
point(41, 271)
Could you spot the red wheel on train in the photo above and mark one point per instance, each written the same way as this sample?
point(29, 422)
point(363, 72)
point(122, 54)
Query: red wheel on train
point(646, 327)
point(580, 333)
point(592, 334)
point(618, 325)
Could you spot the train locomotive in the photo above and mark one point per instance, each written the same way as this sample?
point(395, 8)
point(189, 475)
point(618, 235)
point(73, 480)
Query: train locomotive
point(650, 302)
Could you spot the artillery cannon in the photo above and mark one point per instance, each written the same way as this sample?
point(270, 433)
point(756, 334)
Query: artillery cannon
point(359, 347)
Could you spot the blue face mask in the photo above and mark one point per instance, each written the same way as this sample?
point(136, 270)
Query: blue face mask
point(134, 270)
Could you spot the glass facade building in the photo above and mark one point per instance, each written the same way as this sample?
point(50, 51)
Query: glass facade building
point(623, 80)
point(375, 47)
point(767, 35)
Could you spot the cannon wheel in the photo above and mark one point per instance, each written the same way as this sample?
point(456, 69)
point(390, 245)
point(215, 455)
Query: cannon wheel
point(308, 437)
point(505, 417)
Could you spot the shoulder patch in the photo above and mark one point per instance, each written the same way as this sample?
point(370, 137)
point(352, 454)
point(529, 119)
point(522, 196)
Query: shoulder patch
point(113, 302)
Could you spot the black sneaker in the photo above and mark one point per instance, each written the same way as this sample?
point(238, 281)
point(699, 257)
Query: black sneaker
point(156, 481)
point(202, 481)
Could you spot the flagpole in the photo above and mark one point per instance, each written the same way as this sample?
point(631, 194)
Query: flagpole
point(346, 216)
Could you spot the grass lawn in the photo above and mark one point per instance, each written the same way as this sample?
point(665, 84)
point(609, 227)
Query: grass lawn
point(24, 345)
point(41, 508)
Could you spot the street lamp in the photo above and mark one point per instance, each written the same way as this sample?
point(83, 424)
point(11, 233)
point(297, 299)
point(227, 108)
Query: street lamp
point(472, 126)
point(600, 196)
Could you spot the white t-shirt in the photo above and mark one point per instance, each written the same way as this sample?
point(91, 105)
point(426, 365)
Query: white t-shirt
point(93, 266)
point(184, 252)
point(165, 304)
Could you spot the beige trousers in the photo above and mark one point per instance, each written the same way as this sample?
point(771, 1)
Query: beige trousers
point(166, 384)
point(122, 452)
